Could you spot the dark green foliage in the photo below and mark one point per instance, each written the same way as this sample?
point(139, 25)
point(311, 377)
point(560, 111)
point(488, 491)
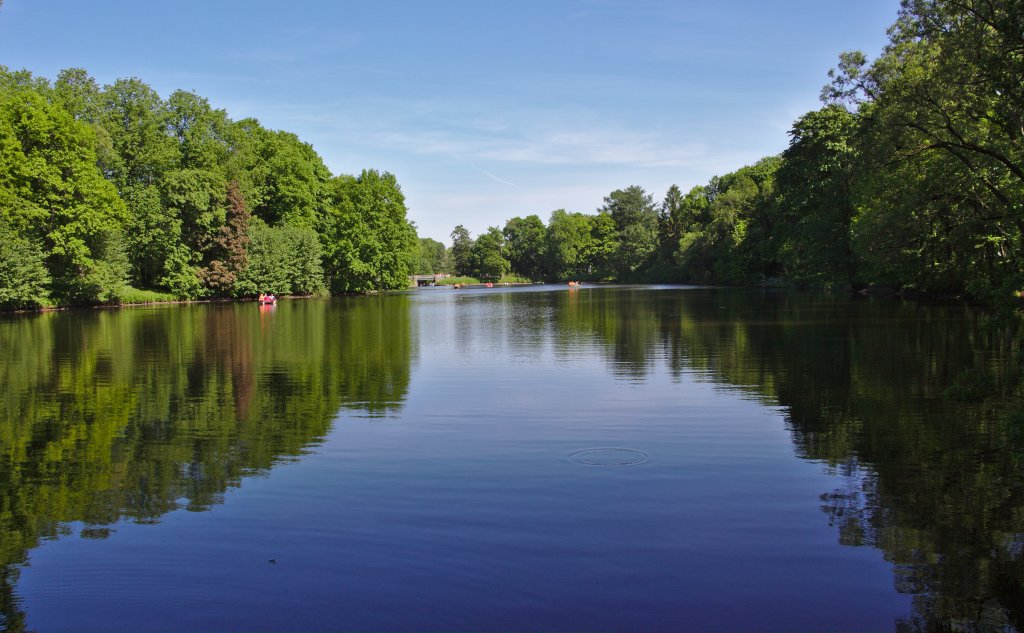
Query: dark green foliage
point(636, 222)
point(940, 113)
point(971, 385)
point(462, 251)
point(724, 227)
point(813, 224)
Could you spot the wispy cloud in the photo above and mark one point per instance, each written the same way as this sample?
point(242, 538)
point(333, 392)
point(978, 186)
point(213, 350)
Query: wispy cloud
point(493, 177)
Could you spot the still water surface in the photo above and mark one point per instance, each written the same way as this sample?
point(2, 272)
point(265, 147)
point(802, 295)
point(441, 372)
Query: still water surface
point(602, 459)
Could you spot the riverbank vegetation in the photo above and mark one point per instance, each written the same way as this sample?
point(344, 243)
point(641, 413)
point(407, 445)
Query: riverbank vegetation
point(110, 194)
point(911, 177)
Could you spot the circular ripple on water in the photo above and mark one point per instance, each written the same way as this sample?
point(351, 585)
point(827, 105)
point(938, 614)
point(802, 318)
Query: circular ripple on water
point(609, 457)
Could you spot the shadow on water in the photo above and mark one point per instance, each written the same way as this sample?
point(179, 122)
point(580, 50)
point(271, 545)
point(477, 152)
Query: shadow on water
point(875, 389)
point(131, 414)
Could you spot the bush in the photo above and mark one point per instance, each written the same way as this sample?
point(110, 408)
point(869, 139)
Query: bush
point(23, 276)
point(449, 281)
point(138, 295)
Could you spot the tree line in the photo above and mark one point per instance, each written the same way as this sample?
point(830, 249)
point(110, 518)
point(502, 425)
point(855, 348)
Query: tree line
point(113, 193)
point(911, 176)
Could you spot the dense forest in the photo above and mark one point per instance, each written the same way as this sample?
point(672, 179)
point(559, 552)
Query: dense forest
point(115, 194)
point(910, 177)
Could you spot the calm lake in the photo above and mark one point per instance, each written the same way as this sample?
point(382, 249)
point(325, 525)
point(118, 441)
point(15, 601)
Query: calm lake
point(539, 459)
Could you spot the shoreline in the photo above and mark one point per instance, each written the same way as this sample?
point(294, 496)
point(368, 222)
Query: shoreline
point(904, 294)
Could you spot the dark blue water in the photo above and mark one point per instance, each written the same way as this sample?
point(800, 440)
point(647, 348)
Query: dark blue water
point(453, 485)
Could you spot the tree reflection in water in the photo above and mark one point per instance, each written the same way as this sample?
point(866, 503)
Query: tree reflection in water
point(133, 414)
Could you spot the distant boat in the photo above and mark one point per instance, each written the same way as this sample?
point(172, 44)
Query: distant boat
point(267, 300)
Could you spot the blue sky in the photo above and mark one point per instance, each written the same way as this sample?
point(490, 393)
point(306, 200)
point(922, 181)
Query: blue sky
point(484, 110)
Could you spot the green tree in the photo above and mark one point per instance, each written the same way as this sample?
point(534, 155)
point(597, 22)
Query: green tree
point(287, 180)
point(24, 280)
point(462, 251)
point(524, 238)
point(726, 228)
point(136, 118)
point(53, 195)
point(569, 245)
point(815, 182)
point(202, 134)
point(432, 258)
point(636, 221)
point(283, 260)
point(488, 255)
point(942, 105)
point(368, 242)
point(79, 94)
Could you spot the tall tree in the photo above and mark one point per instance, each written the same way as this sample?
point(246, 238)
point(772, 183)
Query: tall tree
point(462, 251)
point(636, 221)
point(53, 195)
point(943, 103)
point(227, 253)
point(368, 242)
point(569, 245)
point(524, 238)
point(488, 255)
point(815, 181)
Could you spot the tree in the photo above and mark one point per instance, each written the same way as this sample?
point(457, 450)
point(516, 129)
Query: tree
point(79, 94)
point(432, 257)
point(725, 227)
point(53, 196)
point(671, 221)
point(942, 104)
point(462, 251)
point(636, 222)
point(488, 255)
point(286, 179)
point(23, 276)
point(200, 132)
point(136, 118)
point(569, 245)
point(227, 254)
point(368, 242)
point(815, 222)
point(524, 238)
point(283, 260)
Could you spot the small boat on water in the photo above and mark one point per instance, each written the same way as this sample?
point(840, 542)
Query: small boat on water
point(266, 300)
